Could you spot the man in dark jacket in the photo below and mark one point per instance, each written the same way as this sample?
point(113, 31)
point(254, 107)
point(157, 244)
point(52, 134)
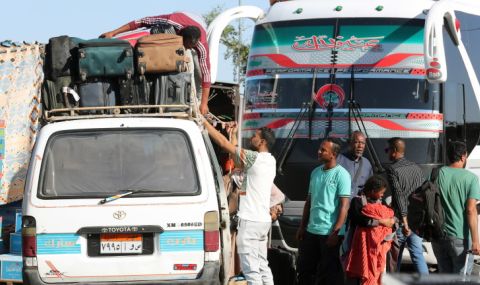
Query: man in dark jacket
point(404, 177)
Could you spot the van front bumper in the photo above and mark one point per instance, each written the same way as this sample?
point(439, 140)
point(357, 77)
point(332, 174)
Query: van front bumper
point(208, 276)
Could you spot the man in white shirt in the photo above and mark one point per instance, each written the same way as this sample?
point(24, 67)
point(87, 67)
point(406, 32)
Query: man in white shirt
point(254, 211)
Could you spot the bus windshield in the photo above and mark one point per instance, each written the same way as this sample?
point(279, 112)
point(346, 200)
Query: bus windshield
point(376, 63)
point(289, 92)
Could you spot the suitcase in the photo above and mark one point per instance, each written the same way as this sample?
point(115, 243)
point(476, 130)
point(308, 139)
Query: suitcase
point(59, 61)
point(135, 92)
point(105, 58)
point(172, 89)
point(97, 94)
point(160, 53)
point(54, 97)
point(282, 263)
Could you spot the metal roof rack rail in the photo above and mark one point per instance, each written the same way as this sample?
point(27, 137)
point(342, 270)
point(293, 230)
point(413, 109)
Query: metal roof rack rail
point(77, 113)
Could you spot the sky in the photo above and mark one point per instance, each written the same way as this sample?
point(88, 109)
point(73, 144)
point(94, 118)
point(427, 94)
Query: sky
point(34, 20)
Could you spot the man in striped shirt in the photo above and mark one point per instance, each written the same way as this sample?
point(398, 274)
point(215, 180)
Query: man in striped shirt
point(404, 177)
point(192, 29)
point(254, 223)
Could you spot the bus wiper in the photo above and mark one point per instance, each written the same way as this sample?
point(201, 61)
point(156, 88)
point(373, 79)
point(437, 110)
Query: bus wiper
point(124, 193)
point(333, 80)
point(354, 110)
point(312, 106)
point(287, 146)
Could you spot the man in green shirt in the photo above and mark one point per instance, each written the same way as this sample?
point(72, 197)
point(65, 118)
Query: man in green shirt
point(460, 190)
point(324, 215)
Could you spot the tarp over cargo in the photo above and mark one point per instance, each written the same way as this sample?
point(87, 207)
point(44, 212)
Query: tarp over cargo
point(21, 76)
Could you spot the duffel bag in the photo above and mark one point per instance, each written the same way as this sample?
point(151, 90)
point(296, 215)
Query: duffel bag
point(97, 94)
point(59, 94)
point(172, 89)
point(105, 58)
point(160, 53)
point(59, 61)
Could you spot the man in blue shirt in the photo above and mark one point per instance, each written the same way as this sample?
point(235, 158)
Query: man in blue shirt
point(323, 218)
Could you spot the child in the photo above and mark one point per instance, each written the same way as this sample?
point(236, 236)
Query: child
point(371, 225)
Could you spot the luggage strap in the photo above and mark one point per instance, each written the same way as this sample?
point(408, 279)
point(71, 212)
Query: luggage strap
point(72, 92)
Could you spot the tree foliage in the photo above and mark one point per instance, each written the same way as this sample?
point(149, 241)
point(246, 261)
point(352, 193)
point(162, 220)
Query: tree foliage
point(236, 50)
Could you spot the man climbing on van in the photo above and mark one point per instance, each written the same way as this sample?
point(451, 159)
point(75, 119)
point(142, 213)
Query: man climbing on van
point(254, 222)
point(192, 29)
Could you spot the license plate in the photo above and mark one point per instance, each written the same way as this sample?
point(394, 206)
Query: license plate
point(120, 243)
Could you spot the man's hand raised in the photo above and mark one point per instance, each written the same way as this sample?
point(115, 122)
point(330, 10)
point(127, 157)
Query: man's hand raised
point(107, 35)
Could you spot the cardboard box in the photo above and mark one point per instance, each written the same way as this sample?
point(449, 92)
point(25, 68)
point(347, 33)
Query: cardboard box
point(9, 214)
point(18, 220)
point(16, 243)
point(11, 267)
point(1, 226)
point(3, 249)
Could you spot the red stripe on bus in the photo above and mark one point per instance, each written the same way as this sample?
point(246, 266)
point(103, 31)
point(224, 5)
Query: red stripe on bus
point(387, 61)
point(424, 116)
point(386, 124)
point(249, 116)
point(255, 72)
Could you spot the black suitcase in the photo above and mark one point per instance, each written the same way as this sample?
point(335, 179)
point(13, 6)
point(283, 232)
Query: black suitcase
point(53, 95)
point(97, 94)
point(282, 263)
point(59, 60)
point(172, 89)
point(135, 92)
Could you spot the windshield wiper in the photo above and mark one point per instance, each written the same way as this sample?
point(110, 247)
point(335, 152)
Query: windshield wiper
point(355, 110)
point(287, 145)
point(124, 193)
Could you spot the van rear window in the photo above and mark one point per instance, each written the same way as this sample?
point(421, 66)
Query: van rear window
point(99, 163)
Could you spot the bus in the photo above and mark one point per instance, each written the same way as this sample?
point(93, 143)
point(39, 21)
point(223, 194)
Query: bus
point(387, 68)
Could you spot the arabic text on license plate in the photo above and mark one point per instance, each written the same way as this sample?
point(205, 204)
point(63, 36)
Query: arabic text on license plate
point(120, 243)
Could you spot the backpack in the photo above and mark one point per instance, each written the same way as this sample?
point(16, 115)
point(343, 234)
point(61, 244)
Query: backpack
point(425, 210)
point(163, 28)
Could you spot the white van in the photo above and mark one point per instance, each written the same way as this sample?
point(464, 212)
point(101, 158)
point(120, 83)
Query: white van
point(124, 200)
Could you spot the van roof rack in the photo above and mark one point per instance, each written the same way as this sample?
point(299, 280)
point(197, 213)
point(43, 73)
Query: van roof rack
point(129, 111)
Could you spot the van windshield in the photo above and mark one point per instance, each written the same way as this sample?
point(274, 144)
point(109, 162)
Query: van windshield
point(103, 162)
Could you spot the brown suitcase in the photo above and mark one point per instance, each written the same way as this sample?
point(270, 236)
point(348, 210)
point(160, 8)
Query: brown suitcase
point(160, 53)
